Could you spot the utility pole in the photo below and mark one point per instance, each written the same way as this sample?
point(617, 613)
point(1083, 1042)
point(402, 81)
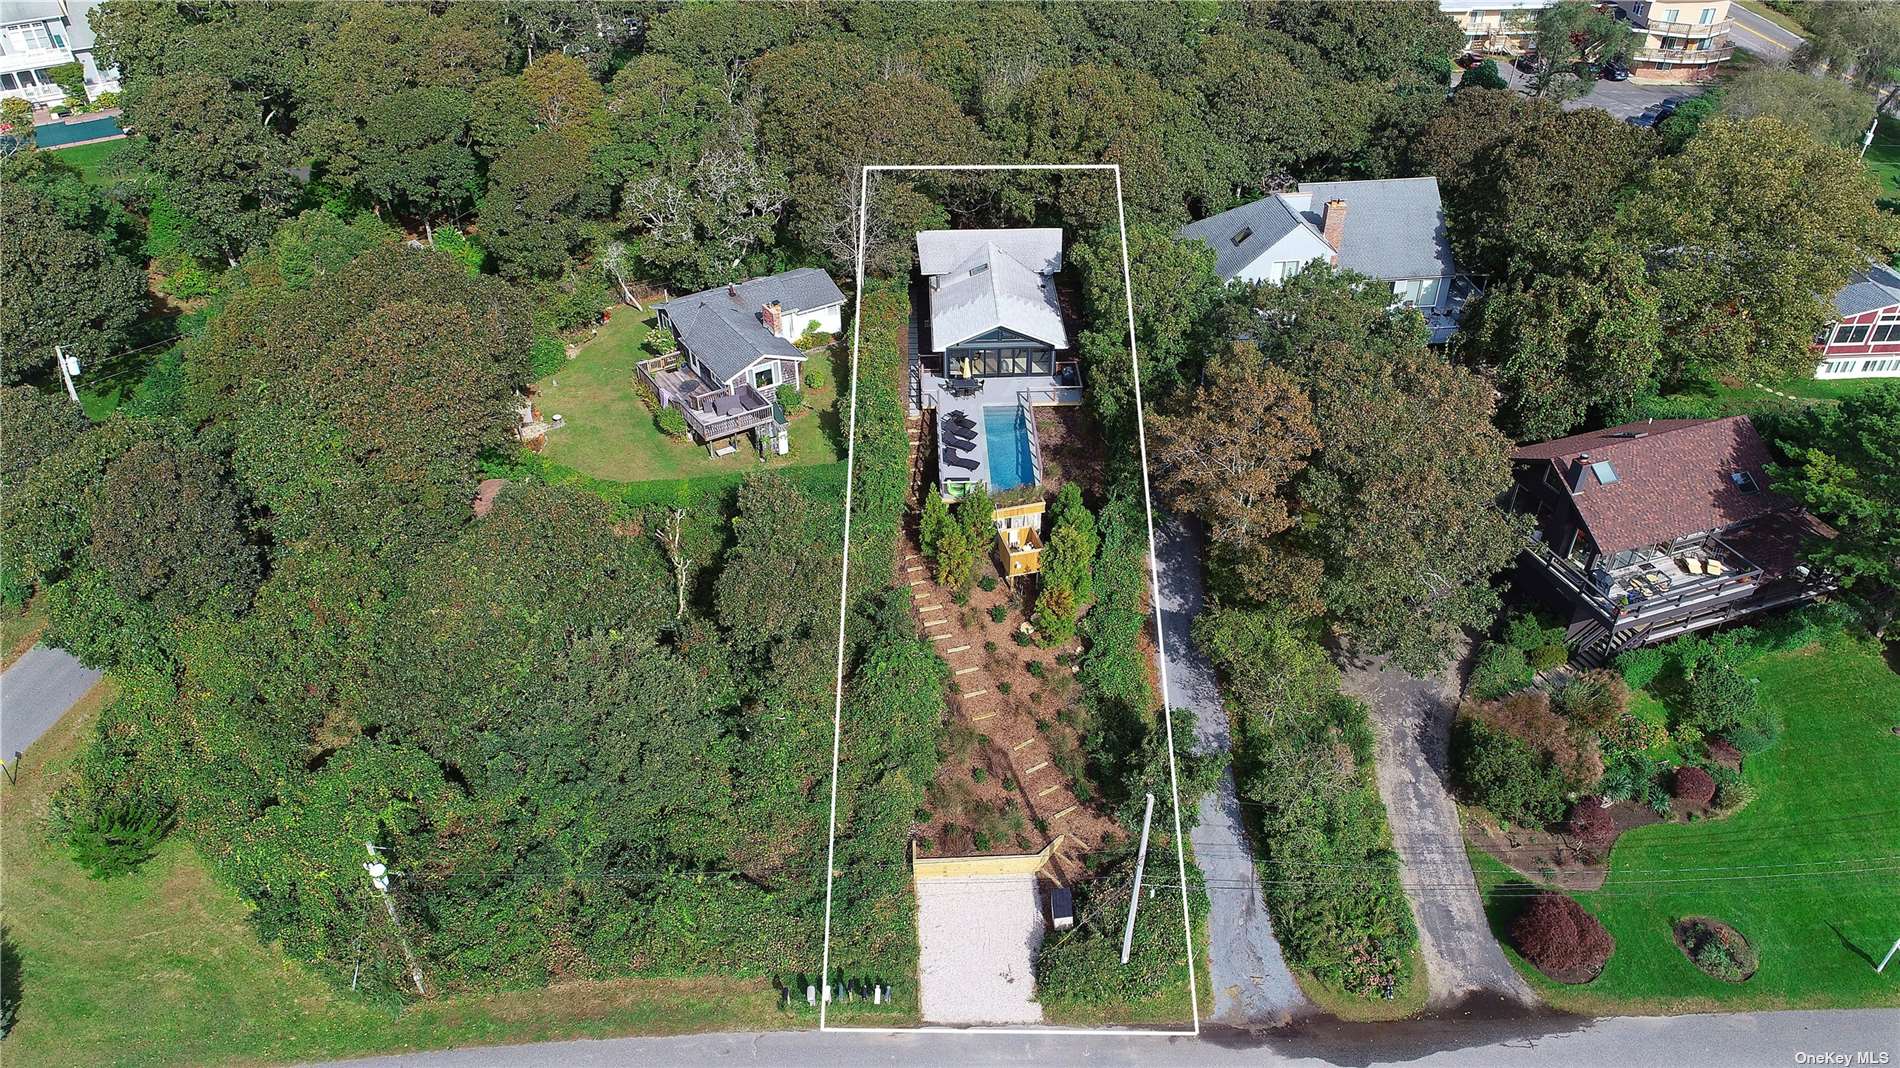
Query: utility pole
point(1881, 969)
point(66, 371)
point(379, 878)
point(1141, 865)
point(1869, 138)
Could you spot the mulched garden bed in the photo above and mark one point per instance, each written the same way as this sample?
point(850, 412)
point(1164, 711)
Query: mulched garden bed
point(1693, 931)
point(1551, 858)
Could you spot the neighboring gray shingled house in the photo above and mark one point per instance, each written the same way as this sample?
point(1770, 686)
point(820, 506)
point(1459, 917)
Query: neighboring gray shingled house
point(736, 351)
point(993, 305)
point(1390, 229)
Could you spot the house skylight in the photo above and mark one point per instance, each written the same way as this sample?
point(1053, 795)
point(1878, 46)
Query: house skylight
point(1605, 473)
point(1743, 481)
point(979, 269)
point(1245, 233)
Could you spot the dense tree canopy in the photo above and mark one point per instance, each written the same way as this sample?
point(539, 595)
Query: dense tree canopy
point(1844, 466)
point(63, 285)
point(1748, 232)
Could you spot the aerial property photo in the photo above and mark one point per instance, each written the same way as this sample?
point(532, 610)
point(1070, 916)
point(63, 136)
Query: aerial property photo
point(808, 532)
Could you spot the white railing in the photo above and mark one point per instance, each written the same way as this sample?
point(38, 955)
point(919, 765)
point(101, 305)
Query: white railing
point(1027, 413)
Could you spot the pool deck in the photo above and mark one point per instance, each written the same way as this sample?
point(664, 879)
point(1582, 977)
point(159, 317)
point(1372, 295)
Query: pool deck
point(998, 392)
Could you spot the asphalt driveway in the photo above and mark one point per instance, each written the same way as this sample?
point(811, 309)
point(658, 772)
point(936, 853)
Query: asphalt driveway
point(1621, 99)
point(1248, 978)
point(36, 691)
point(1412, 720)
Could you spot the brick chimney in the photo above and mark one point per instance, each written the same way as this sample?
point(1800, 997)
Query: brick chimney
point(1333, 226)
point(770, 313)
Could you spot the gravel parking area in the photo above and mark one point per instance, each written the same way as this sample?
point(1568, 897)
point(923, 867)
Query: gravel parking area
point(978, 936)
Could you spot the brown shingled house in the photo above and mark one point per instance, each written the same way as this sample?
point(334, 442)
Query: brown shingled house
point(1648, 530)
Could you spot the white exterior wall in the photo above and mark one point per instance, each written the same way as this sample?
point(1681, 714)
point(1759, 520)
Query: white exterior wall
point(792, 323)
point(17, 57)
point(1300, 244)
point(1875, 366)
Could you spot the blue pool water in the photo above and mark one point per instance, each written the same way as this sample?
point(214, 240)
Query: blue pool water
point(1007, 441)
point(54, 134)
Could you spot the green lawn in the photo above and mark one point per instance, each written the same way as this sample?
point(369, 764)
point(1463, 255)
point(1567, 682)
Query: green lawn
point(92, 158)
point(160, 967)
point(1780, 871)
point(1749, 398)
point(1883, 156)
point(610, 434)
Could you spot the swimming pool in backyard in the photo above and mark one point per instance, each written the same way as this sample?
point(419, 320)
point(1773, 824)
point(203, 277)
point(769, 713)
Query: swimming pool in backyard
point(1011, 454)
point(55, 134)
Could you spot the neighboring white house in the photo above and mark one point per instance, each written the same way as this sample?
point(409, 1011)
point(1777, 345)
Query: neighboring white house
point(1391, 229)
point(1495, 25)
point(38, 36)
point(1864, 339)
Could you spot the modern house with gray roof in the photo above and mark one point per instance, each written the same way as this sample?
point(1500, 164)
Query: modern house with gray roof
point(735, 351)
point(1391, 229)
point(1864, 340)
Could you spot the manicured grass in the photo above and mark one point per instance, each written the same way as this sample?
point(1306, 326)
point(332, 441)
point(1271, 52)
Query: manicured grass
point(92, 158)
point(610, 434)
point(20, 627)
point(160, 967)
point(1769, 13)
point(1749, 398)
point(1883, 156)
point(1781, 871)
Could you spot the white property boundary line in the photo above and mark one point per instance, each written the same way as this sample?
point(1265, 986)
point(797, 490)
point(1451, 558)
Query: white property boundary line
point(1154, 579)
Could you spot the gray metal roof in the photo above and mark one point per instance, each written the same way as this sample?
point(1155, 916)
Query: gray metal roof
point(1264, 222)
point(991, 288)
point(724, 329)
point(1395, 227)
point(1876, 287)
point(1038, 248)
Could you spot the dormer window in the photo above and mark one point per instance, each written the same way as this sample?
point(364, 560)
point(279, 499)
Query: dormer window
point(1743, 481)
point(1238, 239)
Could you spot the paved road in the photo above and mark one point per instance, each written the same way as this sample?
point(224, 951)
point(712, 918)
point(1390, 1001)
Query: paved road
point(1250, 984)
point(1412, 719)
point(35, 692)
point(1744, 1040)
point(1753, 33)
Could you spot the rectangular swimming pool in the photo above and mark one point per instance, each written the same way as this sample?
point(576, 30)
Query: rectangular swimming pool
point(1006, 437)
point(55, 134)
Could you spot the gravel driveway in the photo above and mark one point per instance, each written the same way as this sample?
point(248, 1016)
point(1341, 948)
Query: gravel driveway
point(1248, 977)
point(1412, 718)
point(978, 937)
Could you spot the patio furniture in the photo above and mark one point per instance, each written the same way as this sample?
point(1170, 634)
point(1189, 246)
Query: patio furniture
point(961, 444)
point(1693, 565)
point(1715, 568)
point(954, 460)
point(960, 420)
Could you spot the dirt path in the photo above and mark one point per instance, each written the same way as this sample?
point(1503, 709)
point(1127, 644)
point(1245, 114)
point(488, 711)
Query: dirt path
point(1412, 718)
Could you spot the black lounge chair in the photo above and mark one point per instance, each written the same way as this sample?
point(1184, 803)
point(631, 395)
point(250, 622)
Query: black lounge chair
point(960, 419)
point(953, 434)
point(964, 446)
point(954, 460)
